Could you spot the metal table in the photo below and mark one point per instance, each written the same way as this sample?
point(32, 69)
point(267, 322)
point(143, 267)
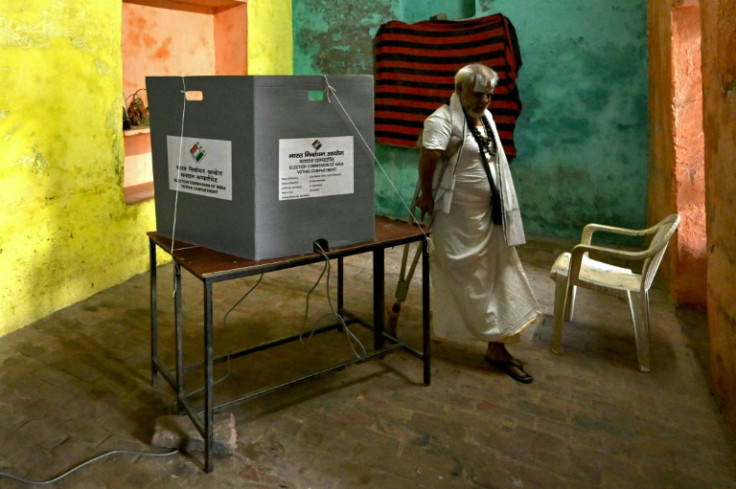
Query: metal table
point(210, 267)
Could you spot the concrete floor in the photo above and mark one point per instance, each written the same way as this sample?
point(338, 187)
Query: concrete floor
point(77, 384)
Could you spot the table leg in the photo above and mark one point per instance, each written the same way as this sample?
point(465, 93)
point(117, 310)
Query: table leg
point(340, 284)
point(179, 338)
point(426, 340)
point(378, 298)
point(154, 311)
point(209, 434)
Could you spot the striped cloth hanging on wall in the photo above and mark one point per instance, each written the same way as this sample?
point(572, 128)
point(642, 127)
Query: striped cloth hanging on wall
point(416, 66)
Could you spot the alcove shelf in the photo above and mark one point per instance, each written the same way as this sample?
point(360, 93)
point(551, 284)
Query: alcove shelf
point(135, 130)
point(138, 193)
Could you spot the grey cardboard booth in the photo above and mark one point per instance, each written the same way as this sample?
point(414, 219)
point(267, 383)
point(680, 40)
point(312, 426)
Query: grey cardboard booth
point(263, 166)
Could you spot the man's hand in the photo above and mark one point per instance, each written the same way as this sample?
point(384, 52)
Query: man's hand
point(428, 160)
point(426, 203)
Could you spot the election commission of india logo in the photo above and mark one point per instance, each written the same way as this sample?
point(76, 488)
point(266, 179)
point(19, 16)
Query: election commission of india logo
point(197, 152)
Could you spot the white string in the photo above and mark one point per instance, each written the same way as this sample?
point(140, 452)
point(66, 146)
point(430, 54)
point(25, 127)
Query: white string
point(330, 89)
point(178, 169)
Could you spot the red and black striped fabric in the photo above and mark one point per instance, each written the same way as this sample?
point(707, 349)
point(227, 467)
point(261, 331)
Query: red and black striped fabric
point(416, 66)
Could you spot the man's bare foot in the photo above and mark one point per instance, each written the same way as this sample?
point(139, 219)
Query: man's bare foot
point(498, 356)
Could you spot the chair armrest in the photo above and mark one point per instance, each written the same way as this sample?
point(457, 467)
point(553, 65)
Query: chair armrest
point(603, 251)
point(579, 252)
point(591, 228)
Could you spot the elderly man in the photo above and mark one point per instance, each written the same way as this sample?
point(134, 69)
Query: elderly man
point(480, 289)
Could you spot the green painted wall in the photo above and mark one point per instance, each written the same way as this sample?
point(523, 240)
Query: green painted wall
point(582, 137)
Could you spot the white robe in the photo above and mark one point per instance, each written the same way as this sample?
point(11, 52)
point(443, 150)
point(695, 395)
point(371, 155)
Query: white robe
point(480, 290)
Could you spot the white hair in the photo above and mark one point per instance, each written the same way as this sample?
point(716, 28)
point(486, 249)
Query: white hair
point(477, 74)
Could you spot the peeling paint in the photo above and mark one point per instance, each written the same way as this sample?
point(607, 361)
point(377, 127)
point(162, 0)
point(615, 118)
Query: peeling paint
point(337, 35)
point(36, 162)
point(103, 68)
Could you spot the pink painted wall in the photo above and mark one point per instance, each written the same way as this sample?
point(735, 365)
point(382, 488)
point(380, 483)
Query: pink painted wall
point(231, 39)
point(187, 41)
point(160, 42)
point(689, 281)
point(676, 168)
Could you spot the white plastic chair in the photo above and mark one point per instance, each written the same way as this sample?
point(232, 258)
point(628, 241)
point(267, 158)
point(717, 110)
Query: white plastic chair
point(577, 269)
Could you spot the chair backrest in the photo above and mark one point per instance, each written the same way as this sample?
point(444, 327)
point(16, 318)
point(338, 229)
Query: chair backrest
point(664, 231)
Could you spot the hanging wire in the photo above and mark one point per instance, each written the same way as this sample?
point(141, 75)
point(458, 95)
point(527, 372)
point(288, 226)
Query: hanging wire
point(224, 326)
point(352, 339)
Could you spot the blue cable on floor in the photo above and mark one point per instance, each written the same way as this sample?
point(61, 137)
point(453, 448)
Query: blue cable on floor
point(84, 464)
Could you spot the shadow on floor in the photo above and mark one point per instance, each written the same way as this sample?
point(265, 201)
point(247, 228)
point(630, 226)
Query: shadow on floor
point(78, 383)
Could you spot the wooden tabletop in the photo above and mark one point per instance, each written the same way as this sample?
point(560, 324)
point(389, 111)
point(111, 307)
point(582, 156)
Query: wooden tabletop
point(211, 265)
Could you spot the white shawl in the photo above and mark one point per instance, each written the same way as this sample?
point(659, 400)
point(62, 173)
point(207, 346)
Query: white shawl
point(513, 227)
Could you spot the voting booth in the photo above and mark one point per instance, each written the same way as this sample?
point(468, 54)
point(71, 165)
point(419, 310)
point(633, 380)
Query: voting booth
point(263, 166)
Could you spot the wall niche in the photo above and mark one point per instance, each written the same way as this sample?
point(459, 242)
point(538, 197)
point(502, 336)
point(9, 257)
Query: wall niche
point(167, 38)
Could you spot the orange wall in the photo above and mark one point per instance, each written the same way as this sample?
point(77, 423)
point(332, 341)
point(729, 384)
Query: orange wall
point(676, 169)
point(162, 41)
point(689, 282)
point(719, 116)
point(170, 42)
point(158, 42)
point(231, 38)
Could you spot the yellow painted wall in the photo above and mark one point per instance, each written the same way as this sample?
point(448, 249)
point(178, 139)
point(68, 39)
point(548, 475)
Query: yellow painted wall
point(65, 230)
point(270, 46)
